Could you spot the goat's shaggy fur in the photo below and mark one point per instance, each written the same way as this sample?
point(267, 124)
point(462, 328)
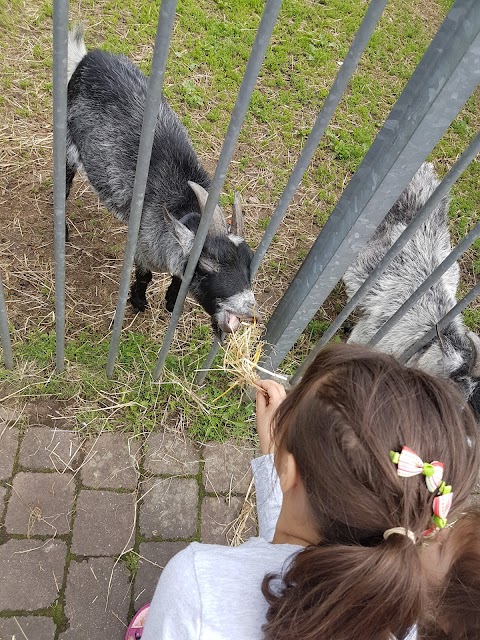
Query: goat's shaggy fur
point(456, 352)
point(106, 101)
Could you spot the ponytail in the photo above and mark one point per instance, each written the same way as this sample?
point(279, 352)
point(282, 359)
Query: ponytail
point(346, 592)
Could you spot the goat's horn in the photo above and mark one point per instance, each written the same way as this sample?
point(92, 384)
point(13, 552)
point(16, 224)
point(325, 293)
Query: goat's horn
point(237, 218)
point(475, 340)
point(218, 225)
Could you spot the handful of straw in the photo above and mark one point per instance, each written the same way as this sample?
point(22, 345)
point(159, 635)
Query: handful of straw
point(242, 351)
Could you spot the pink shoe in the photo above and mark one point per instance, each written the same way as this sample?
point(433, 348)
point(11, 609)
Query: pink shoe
point(135, 628)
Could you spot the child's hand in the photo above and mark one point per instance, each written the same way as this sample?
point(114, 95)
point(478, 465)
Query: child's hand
point(267, 402)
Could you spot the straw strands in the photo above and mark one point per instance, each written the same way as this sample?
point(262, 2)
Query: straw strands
point(242, 352)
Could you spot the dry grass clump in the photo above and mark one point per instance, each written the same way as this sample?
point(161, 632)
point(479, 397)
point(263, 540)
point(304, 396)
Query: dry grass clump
point(242, 352)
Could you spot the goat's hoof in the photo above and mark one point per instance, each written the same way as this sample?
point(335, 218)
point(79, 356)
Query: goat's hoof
point(139, 306)
point(170, 305)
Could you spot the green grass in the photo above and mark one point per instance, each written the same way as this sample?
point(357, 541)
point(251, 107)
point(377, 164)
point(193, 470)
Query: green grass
point(132, 400)
point(210, 46)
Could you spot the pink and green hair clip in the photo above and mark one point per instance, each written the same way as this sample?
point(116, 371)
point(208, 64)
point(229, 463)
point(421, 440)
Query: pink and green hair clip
point(410, 464)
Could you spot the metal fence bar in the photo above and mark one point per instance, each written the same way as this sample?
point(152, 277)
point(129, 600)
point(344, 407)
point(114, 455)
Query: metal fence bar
point(436, 274)
point(339, 86)
point(202, 373)
point(255, 61)
point(154, 95)
point(444, 79)
point(433, 332)
point(452, 176)
point(60, 53)
point(4, 331)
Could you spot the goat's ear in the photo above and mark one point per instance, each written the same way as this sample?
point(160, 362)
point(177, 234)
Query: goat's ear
point(218, 224)
point(475, 340)
point(237, 218)
point(208, 265)
point(183, 235)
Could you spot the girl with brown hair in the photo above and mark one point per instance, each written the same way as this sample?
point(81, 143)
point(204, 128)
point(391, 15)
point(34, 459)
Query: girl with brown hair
point(369, 457)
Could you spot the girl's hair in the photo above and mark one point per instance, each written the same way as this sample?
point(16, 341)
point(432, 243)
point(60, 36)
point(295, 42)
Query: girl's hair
point(352, 407)
point(455, 614)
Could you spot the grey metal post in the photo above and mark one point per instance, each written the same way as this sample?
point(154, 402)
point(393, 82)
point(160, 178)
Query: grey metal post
point(436, 274)
point(442, 189)
point(444, 79)
point(458, 308)
point(154, 95)
point(60, 53)
point(4, 331)
point(202, 373)
point(255, 61)
point(365, 30)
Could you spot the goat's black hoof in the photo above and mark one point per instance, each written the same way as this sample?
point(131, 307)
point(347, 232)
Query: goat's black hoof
point(139, 306)
point(170, 305)
point(67, 235)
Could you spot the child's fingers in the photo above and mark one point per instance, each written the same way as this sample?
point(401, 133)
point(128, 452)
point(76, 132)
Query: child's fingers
point(276, 392)
point(260, 389)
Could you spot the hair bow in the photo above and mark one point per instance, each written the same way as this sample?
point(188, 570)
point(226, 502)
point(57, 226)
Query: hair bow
point(410, 464)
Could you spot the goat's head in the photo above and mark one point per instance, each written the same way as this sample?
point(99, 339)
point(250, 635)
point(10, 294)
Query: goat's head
point(222, 280)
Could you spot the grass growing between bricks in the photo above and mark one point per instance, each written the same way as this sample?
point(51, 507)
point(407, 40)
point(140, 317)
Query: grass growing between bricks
point(210, 46)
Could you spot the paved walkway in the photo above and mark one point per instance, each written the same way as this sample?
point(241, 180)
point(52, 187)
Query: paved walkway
point(87, 525)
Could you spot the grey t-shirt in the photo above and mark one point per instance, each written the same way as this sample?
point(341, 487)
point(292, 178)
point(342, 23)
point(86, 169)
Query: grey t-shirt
point(213, 592)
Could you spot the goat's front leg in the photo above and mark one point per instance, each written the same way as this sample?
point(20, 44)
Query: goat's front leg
point(172, 293)
point(138, 299)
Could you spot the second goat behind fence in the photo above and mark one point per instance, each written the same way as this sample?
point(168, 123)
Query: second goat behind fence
point(455, 353)
point(106, 101)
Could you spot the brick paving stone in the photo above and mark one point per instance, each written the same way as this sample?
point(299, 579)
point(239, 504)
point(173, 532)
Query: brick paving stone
point(227, 467)
point(147, 574)
point(31, 573)
point(111, 462)
point(218, 524)
point(86, 597)
point(8, 447)
point(169, 454)
point(9, 416)
point(41, 503)
point(103, 522)
point(33, 627)
point(170, 508)
point(46, 448)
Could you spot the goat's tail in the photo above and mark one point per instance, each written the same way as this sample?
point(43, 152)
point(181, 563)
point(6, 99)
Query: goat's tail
point(76, 48)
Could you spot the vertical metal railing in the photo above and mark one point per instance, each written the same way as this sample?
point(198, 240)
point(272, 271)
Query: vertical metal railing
point(4, 331)
point(60, 54)
point(259, 49)
point(444, 79)
point(154, 96)
point(442, 190)
point(339, 86)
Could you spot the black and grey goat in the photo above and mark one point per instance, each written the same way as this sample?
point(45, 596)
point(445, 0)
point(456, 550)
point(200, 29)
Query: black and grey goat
point(455, 353)
point(106, 101)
